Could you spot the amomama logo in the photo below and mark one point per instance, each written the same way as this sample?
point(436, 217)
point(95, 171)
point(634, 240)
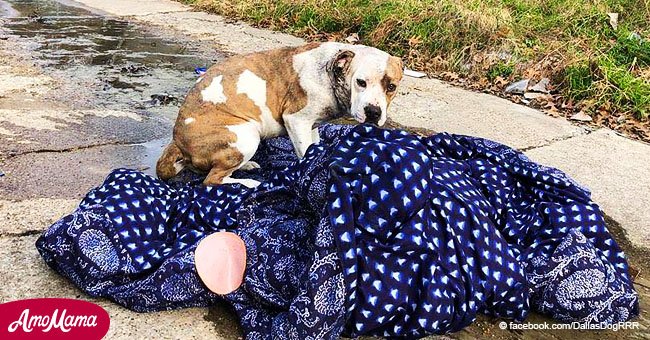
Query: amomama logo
point(52, 318)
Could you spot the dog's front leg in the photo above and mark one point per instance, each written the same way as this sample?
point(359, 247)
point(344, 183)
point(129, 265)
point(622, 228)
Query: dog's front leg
point(299, 130)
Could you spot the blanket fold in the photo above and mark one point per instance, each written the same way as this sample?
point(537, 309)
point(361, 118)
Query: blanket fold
point(373, 232)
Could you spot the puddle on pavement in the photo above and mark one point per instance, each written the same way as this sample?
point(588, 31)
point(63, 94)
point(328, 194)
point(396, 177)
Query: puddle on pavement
point(125, 66)
point(152, 150)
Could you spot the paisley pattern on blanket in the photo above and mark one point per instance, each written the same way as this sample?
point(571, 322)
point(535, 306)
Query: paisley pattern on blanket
point(374, 232)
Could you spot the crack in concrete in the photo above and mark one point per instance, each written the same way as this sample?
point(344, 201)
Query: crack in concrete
point(71, 149)
point(156, 13)
point(22, 234)
point(550, 142)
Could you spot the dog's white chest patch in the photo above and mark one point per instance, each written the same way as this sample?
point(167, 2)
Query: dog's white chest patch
point(214, 92)
point(254, 88)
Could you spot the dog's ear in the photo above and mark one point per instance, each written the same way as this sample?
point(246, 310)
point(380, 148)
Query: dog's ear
point(400, 63)
point(397, 67)
point(341, 62)
point(338, 68)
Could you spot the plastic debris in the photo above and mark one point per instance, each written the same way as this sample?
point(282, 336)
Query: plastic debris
point(537, 95)
point(613, 20)
point(352, 39)
point(581, 116)
point(541, 86)
point(414, 74)
point(518, 87)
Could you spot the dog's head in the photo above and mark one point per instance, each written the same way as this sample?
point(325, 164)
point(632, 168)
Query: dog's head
point(365, 81)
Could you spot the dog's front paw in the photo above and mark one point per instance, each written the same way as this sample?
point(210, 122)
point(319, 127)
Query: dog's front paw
point(250, 165)
point(315, 137)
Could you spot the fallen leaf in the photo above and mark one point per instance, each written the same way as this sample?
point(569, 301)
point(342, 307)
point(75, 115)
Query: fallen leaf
point(414, 41)
point(550, 106)
point(532, 73)
point(567, 105)
point(449, 76)
point(500, 81)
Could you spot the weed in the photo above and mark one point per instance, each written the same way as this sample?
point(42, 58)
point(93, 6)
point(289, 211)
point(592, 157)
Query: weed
point(500, 69)
point(579, 81)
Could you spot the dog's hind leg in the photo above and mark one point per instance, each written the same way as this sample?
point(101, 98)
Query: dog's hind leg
point(236, 155)
point(227, 161)
point(170, 162)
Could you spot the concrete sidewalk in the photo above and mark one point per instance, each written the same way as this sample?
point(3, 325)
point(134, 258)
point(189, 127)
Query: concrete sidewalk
point(50, 166)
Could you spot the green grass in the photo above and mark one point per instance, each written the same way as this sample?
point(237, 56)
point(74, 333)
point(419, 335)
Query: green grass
point(579, 81)
point(612, 78)
point(569, 41)
point(500, 69)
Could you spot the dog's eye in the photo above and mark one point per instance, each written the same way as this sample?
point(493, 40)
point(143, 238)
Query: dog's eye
point(391, 87)
point(361, 82)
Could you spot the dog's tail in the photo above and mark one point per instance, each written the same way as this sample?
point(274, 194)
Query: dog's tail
point(170, 162)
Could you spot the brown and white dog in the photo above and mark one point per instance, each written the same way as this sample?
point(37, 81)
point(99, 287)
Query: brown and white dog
point(247, 98)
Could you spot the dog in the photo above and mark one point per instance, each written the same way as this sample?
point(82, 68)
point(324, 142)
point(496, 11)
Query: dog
point(245, 99)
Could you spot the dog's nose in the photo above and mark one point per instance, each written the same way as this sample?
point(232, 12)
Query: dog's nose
point(373, 113)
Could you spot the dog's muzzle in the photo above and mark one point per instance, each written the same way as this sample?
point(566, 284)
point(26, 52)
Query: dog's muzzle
point(373, 114)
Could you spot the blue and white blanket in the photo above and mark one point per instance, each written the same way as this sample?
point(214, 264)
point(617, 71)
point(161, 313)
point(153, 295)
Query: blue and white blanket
point(374, 232)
